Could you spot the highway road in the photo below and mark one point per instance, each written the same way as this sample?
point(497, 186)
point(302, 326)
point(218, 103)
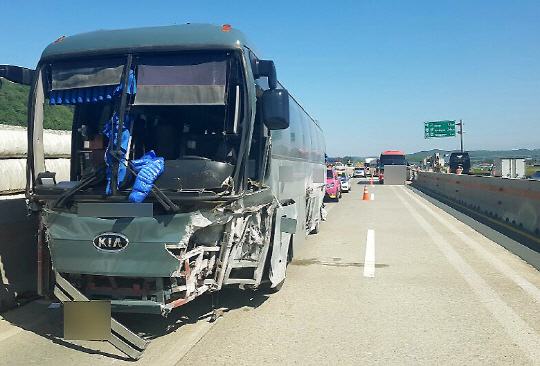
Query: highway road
point(393, 281)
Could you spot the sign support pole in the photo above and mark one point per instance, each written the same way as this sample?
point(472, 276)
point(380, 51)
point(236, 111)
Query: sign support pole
point(461, 132)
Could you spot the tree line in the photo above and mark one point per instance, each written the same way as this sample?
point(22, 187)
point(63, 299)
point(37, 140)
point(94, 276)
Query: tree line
point(14, 108)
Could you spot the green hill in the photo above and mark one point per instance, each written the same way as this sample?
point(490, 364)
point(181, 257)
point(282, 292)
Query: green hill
point(14, 106)
point(476, 155)
point(481, 155)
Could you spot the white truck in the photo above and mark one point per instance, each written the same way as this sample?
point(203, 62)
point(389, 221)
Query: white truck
point(508, 168)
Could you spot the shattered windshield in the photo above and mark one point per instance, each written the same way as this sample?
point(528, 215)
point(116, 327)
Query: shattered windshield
point(177, 124)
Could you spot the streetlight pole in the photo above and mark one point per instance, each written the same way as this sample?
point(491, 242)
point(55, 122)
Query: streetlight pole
point(460, 124)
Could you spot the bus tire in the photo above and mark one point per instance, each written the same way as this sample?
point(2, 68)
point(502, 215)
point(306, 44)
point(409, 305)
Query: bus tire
point(316, 229)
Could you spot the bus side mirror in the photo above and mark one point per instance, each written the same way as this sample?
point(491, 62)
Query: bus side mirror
point(265, 68)
point(17, 74)
point(275, 109)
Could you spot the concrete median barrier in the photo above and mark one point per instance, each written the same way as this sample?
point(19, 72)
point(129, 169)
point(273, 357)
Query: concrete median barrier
point(515, 201)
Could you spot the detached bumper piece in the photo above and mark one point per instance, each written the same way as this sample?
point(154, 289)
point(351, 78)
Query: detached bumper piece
point(122, 338)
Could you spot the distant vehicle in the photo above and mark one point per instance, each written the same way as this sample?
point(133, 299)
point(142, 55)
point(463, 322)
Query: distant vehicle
point(359, 172)
point(508, 168)
point(374, 167)
point(347, 169)
point(536, 175)
point(333, 185)
point(391, 157)
point(367, 170)
point(460, 160)
point(345, 182)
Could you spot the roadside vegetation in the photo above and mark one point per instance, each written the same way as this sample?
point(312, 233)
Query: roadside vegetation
point(14, 106)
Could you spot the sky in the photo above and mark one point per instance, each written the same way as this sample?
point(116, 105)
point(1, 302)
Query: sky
point(371, 72)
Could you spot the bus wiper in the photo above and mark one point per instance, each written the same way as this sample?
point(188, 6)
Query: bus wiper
point(161, 197)
point(90, 176)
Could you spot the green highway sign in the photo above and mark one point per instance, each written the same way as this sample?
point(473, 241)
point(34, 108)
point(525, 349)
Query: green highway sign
point(439, 129)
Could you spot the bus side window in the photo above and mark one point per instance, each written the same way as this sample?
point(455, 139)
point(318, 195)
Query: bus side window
point(295, 131)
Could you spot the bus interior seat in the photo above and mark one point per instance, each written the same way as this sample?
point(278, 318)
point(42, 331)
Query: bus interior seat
point(226, 151)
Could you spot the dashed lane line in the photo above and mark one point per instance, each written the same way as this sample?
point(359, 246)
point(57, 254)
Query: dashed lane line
point(502, 267)
point(518, 330)
point(369, 262)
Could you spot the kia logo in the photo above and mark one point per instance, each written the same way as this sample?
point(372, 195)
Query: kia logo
point(111, 242)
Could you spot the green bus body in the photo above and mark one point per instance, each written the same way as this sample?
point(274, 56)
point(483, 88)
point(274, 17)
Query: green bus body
point(243, 180)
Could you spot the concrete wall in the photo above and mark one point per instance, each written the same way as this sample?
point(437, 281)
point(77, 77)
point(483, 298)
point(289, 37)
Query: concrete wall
point(13, 146)
point(13, 142)
point(13, 173)
point(18, 231)
point(18, 250)
point(516, 201)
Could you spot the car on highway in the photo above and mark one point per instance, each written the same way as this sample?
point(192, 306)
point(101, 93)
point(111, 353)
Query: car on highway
point(345, 182)
point(536, 175)
point(374, 167)
point(333, 185)
point(359, 172)
point(460, 161)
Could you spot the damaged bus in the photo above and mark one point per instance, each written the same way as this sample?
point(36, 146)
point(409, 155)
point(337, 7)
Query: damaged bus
point(192, 168)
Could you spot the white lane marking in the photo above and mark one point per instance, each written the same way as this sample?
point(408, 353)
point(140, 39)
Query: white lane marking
point(369, 262)
point(531, 289)
point(329, 208)
point(519, 331)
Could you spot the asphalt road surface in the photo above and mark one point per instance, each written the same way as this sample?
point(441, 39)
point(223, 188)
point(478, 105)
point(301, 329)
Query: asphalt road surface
point(393, 281)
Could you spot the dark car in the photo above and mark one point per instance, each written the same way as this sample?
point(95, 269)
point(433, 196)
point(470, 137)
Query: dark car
point(460, 160)
point(536, 175)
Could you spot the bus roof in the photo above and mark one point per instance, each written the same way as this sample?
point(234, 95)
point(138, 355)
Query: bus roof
point(173, 37)
point(393, 152)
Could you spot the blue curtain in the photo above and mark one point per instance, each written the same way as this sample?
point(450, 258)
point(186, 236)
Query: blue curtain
point(93, 94)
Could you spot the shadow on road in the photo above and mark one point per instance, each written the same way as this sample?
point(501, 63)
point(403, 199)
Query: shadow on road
point(367, 181)
point(48, 323)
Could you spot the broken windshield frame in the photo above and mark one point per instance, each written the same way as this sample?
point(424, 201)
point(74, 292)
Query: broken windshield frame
point(203, 140)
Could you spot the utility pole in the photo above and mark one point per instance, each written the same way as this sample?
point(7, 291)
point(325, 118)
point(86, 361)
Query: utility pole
point(460, 124)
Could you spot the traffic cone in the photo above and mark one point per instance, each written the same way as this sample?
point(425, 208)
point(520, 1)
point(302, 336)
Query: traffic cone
point(366, 194)
point(371, 181)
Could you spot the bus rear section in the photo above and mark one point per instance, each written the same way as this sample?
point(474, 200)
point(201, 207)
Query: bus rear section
point(390, 157)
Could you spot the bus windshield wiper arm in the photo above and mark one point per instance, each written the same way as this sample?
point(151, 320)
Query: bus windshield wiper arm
point(161, 197)
point(95, 174)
